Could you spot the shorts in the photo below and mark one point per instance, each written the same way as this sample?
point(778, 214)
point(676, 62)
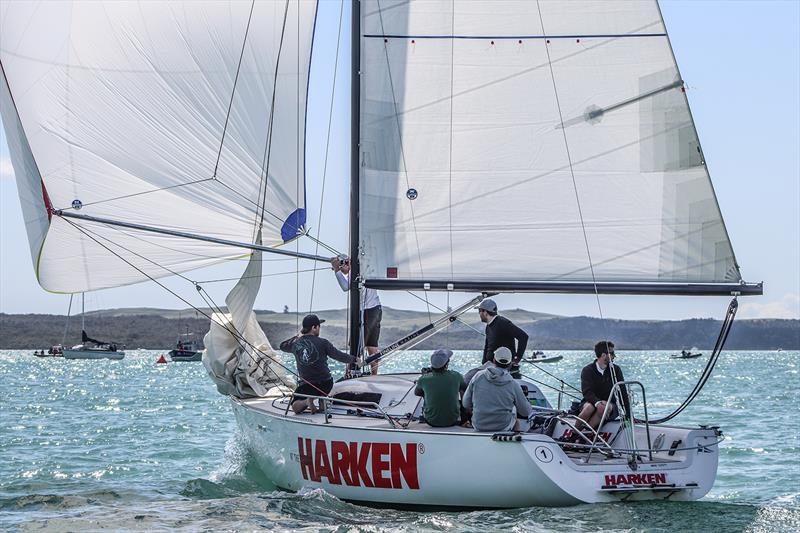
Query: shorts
point(372, 325)
point(613, 415)
point(313, 389)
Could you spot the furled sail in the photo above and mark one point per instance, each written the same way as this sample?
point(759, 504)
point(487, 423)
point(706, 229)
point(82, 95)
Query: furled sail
point(238, 356)
point(180, 115)
point(531, 140)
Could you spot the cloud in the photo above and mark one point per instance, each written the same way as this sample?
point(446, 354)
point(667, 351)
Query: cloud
point(6, 170)
point(787, 307)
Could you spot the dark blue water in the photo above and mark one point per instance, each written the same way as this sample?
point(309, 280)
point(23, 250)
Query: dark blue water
point(132, 445)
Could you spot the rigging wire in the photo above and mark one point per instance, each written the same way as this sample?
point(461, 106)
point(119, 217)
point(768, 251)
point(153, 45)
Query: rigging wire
point(262, 204)
point(325, 163)
point(66, 323)
point(618, 393)
point(238, 336)
point(402, 149)
point(233, 91)
point(270, 275)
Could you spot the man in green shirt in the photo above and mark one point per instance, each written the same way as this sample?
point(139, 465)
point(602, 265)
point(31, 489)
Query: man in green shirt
point(441, 387)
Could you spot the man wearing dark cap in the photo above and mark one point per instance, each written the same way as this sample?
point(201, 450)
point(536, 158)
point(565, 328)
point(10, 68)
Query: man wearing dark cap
point(441, 387)
point(501, 332)
point(311, 353)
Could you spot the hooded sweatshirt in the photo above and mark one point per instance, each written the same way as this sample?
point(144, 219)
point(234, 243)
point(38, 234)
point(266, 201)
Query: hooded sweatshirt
point(492, 395)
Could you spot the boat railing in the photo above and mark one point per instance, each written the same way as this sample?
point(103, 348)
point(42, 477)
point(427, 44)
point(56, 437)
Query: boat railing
point(629, 416)
point(327, 402)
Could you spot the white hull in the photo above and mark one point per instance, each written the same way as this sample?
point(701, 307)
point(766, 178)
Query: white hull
point(544, 359)
point(93, 354)
point(364, 459)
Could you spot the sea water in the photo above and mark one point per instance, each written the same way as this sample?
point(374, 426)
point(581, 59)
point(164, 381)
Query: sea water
point(135, 445)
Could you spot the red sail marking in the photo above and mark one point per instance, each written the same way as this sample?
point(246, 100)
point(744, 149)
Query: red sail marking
point(47, 203)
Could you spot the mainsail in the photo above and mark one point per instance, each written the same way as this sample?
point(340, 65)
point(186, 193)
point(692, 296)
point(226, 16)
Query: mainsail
point(517, 141)
point(180, 115)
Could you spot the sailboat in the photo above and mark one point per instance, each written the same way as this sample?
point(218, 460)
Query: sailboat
point(497, 147)
point(90, 348)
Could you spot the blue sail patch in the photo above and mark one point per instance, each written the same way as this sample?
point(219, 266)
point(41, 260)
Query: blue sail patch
point(293, 225)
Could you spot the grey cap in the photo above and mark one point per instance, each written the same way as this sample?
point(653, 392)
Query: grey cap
point(503, 355)
point(440, 358)
point(488, 305)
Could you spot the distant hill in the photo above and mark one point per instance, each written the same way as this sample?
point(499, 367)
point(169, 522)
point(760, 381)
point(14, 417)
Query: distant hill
point(158, 329)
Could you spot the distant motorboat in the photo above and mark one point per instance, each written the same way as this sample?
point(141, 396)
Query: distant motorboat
point(54, 351)
point(686, 354)
point(186, 349)
point(541, 357)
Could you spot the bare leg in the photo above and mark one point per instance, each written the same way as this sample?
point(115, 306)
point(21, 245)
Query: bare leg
point(298, 406)
point(586, 415)
point(597, 416)
point(372, 350)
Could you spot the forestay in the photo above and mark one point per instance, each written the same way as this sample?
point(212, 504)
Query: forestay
point(159, 113)
point(522, 140)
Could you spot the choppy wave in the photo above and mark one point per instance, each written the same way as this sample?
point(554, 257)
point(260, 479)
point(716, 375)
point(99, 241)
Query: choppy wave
point(136, 446)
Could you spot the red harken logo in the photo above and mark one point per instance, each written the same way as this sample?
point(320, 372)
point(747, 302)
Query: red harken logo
point(366, 464)
point(636, 479)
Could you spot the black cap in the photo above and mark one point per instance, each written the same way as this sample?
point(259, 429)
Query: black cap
point(309, 321)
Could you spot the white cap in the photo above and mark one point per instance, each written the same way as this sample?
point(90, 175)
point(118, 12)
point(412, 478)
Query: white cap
point(503, 355)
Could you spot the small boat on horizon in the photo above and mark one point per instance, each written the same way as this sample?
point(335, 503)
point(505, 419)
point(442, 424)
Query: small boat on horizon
point(541, 357)
point(54, 351)
point(687, 354)
point(187, 348)
point(94, 349)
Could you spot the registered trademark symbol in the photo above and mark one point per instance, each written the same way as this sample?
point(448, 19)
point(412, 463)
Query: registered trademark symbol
point(421, 448)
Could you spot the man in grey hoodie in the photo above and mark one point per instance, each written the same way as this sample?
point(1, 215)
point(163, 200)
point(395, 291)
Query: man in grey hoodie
point(496, 400)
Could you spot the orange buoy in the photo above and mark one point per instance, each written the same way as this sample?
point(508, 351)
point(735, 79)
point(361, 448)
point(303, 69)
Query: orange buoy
point(162, 359)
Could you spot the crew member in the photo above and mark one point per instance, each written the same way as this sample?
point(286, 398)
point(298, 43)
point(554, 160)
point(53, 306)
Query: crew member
point(371, 305)
point(441, 389)
point(494, 397)
point(500, 331)
point(596, 385)
point(311, 353)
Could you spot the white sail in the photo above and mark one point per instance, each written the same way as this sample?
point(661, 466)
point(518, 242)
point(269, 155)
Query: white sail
point(238, 356)
point(142, 112)
point(511, 140)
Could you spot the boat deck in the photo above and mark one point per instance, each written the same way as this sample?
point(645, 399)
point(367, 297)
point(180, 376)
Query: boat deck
point(398, 402)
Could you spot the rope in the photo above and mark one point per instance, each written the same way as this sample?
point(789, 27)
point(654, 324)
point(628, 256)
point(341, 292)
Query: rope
point(402, 149)
point(233, 91)
point(325, 164)
point(240, 339)
point(262, 205)
point(725, 329)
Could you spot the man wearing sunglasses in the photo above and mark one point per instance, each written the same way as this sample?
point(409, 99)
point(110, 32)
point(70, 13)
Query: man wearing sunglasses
point(596, 385)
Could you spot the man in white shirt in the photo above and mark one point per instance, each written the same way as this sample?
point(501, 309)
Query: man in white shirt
point(370, 303)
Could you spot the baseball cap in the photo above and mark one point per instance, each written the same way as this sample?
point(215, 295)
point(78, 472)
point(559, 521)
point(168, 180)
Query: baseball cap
point(502, 355)
point(440, 357)
point(488, 305)
point(309, 321)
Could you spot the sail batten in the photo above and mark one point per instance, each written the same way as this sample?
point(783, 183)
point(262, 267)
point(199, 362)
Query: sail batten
point(512, 141)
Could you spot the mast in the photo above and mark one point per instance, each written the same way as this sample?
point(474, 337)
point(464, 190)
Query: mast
point(355, 130)
point(83, 312)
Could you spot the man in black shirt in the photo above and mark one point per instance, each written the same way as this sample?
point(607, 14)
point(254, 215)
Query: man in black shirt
point(596, 385)
point(500, 331)
point(311, 353)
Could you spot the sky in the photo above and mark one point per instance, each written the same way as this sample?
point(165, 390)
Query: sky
point(741, 64)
